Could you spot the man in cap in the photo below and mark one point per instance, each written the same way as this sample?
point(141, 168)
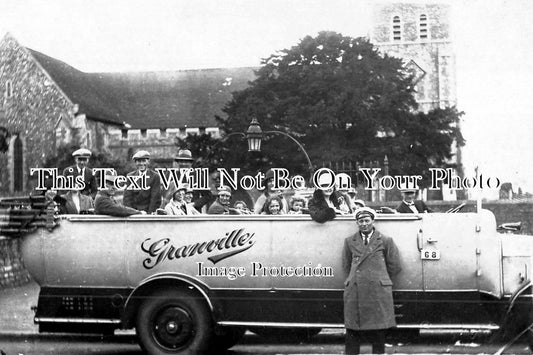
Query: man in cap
point(409, 204)
point(222, 203)
point(148, 197)
point(183, 160)
point(81, 159)
point(105, 203)
point(370, 259)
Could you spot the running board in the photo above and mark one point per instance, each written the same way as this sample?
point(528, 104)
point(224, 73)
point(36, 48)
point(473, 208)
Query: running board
point(331, 325)
point(38, 320)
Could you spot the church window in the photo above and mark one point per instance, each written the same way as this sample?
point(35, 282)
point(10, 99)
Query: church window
point(18, 162)
point(423, 26)
point(9, 89)
point(396, 28)
point(143, 133)
point(124, 133)
point(88, 140)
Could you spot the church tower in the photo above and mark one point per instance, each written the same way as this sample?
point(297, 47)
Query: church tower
point(419, 33)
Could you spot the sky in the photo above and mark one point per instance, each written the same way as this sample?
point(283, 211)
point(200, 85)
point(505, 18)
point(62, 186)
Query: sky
point(493, 42)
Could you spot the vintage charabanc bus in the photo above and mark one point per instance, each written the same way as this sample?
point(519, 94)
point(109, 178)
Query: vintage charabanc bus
point(188, 283)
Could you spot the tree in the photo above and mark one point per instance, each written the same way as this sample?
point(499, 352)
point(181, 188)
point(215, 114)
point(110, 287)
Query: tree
point(344, 101)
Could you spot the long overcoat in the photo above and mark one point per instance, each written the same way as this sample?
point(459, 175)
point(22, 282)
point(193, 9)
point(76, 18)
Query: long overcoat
point(368, 300)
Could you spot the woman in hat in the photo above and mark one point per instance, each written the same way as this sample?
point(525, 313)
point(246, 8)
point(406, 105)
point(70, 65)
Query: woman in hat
point(178, 206)
point(259, 206)
point(326, 202)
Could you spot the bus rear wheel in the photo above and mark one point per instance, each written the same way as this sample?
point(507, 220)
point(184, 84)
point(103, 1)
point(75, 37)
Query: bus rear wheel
point(174, 322)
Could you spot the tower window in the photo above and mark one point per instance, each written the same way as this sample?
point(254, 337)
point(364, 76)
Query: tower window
point(9, 89)
point(423, 27)
point(396, 28)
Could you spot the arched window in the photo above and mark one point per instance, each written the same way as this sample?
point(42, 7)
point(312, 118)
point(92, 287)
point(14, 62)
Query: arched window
point(396, 28)
point(9, 89)
point(423, 27)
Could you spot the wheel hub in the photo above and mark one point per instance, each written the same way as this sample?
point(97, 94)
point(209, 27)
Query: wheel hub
point(173, 327)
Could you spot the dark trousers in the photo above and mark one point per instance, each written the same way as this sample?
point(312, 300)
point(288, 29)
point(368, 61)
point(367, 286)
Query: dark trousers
point(354, 338)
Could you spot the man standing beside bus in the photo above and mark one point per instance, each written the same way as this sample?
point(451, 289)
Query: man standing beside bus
point(370, 259)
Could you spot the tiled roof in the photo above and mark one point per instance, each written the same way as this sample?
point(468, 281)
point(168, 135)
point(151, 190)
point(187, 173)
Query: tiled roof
point(169, 99)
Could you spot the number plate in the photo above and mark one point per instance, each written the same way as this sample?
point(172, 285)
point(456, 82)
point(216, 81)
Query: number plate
point(430, 254)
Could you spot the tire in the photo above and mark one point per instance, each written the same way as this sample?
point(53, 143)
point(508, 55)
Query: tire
point(226, 337)
point(286, 334)
point(174, 322)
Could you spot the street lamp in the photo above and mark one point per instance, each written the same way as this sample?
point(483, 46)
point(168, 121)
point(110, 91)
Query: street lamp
point(255, 134)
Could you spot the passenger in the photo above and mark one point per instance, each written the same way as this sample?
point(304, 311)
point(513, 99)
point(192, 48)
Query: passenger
point(359, 203)
point(178, 206)
point(370, 259)
point(325, 204)
point(296, 204)
point(105, 203)
point(344, 192)
point(81, 159)
point(221, 205)
point(273, 206)
point(76, 203)
point(148, 199)
point(342, 202)
point(183, 160)
point(189, 193)
point(242, 207)
point(409, 205)
point(259, 205)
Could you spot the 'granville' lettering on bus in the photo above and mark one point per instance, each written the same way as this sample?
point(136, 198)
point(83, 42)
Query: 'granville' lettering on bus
point(161, 249)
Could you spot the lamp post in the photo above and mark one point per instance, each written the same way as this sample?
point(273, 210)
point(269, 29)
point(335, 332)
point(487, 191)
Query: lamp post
point(255, 134)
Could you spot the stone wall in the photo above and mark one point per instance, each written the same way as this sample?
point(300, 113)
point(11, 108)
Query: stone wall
point(12, 271)
point(40, 114)
point(31, 112)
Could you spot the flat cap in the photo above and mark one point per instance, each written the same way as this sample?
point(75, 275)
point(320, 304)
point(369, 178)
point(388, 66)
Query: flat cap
point(82, 152)
point(365, 212)
point(141, 154)
point(184, 154)
point(409, 190)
